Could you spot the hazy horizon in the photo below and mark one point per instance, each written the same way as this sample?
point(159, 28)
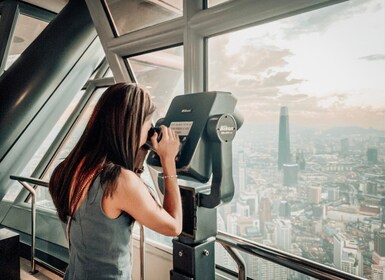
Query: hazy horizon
point(327, 66)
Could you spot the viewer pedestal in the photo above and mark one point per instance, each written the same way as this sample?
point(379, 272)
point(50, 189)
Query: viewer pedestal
point(9, 255)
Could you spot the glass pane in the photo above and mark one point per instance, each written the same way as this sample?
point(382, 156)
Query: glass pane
point(109, 73)
point(309, 161)
point(15, 187)
point(129, 16)
point(161, 72)
point(43, 197)
point(211, 3)
point(26, 30)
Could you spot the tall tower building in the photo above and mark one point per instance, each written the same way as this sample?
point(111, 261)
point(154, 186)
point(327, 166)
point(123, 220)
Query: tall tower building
point(284, 138)
point(283, 235)
point(290, 174)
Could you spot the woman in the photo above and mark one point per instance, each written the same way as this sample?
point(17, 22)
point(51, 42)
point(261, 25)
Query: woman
point(98, 193)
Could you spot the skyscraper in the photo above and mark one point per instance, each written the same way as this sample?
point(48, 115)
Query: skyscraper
point(290, 174)
point(283, 234)
point(347, 255)
point(284, 209)
point(372, 155)
point(379, 242)
point(284, 138)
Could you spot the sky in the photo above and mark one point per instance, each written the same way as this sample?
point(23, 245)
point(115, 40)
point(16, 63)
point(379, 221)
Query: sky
point(327, 66)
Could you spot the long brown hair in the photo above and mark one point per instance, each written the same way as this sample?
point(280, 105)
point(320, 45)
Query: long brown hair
point(109, 142)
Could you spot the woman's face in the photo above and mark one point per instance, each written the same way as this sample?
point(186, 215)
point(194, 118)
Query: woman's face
point(145, 128)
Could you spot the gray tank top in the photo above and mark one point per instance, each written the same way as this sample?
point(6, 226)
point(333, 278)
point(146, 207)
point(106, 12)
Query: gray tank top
point(100, 247)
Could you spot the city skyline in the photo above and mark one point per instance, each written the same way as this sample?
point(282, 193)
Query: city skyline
point(328, 215)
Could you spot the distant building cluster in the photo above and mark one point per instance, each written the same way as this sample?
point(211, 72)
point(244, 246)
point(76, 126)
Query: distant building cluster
point(323, 203)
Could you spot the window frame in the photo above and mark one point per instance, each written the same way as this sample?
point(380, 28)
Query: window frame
point(10, 11)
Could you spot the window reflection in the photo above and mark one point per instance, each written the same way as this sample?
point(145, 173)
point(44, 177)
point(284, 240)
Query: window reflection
point(146, 13)
point(309, 161)
point(26, 30)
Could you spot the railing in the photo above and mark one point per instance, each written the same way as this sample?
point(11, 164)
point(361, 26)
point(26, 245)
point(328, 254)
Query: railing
point(232, 244)
point(25, 182)
point(302, 265)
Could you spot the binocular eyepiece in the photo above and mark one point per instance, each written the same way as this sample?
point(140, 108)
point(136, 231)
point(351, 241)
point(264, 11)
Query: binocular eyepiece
point(152, 131)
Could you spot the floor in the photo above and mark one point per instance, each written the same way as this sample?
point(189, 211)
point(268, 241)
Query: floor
point(43, 274)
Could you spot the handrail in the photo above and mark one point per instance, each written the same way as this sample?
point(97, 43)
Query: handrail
point(302, 265)
point(30, 180)
point(24, 182)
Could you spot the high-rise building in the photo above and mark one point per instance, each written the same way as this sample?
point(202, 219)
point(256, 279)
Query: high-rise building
point(284, 209)
point(377, 272)
point(284, 138)
point(300, 160)
point(290, 174)
point(314, 194)
point(333, 193)
point(371, 188)
point(347, 255)
point(379, 242)
point(251, 199)
point(283, 235)
point(372, 155)
point(264, 212)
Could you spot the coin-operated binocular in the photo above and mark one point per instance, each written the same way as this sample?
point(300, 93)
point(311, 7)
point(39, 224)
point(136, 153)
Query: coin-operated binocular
point(206, 124)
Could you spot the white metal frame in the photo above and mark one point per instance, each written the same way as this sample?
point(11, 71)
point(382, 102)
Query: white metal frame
point(191, 30)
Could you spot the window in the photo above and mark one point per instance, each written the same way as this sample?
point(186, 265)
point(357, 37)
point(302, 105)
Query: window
point(27, 29)
point(30, 167)
point(314, 83)
point(161, 72)
point(128, 16)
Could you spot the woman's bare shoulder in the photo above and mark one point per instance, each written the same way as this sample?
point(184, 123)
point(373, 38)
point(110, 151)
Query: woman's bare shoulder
point(128, 179)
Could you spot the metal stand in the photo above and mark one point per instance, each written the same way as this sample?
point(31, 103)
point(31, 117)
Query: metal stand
point(194, 249)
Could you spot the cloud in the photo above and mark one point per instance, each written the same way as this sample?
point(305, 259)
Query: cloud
point(373, 57)
point(279, 79)
point(321, 19)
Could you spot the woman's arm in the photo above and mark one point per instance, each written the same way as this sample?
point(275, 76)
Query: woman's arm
point(133, 197)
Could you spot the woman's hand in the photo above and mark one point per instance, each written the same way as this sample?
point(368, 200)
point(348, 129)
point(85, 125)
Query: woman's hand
point(167, 148)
